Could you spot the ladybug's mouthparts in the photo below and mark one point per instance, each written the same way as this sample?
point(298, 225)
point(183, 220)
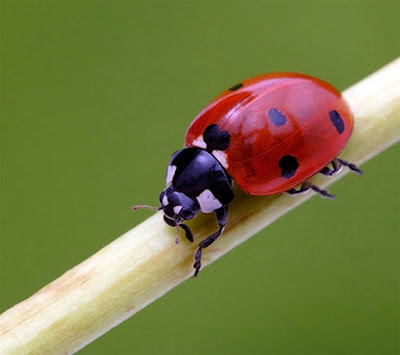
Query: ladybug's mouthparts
point(178, 223)
point(173, 222)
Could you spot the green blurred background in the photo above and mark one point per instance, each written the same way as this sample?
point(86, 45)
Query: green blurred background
point(96, 95)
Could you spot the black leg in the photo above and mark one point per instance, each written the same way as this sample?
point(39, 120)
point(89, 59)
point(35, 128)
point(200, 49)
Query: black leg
point(337, 165)
point(188, 232)
point(307, 186)
point(222, 216)
point(351, 166)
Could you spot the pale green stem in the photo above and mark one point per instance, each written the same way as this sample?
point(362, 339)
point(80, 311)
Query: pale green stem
point(144, 263)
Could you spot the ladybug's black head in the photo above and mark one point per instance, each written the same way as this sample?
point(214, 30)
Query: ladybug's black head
point(177, 206)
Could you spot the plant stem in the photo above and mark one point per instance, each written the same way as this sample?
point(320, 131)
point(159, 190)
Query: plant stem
point(144, 263)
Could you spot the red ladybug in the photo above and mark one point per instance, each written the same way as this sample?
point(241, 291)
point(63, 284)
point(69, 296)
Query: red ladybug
point(269, 134)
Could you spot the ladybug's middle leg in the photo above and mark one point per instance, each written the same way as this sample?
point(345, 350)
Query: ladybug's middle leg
point(307, 186)
point(222, 216)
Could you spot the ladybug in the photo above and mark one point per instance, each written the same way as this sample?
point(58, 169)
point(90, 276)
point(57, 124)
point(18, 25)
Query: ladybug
point(269, 134)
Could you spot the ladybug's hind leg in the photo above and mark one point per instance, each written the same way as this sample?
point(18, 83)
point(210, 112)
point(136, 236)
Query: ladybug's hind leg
point(337, 165)
point(222, 216)
point(306, 187)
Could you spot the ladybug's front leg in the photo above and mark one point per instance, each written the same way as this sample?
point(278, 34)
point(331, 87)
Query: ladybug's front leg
point(222, 216)
point(307, 186)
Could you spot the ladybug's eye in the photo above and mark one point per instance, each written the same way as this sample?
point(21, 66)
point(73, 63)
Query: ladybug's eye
point(186, 214)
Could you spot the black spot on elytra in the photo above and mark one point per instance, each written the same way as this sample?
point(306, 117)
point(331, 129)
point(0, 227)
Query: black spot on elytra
point(288, 165)
point(235, 87)
point(276, 117)
point(216, 139)
point(337, 121)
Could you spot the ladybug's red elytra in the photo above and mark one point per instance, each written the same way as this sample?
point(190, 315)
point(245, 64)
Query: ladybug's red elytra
point(269, 134)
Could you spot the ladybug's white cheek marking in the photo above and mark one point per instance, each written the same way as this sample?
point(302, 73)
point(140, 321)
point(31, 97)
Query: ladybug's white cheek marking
point(177, 209)
point(199, 142)
point(165, 201)
point(170, 173)
point(221, 157)
point(208, 202)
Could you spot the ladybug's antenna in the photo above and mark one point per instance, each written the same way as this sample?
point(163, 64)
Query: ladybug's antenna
point(138, 207)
